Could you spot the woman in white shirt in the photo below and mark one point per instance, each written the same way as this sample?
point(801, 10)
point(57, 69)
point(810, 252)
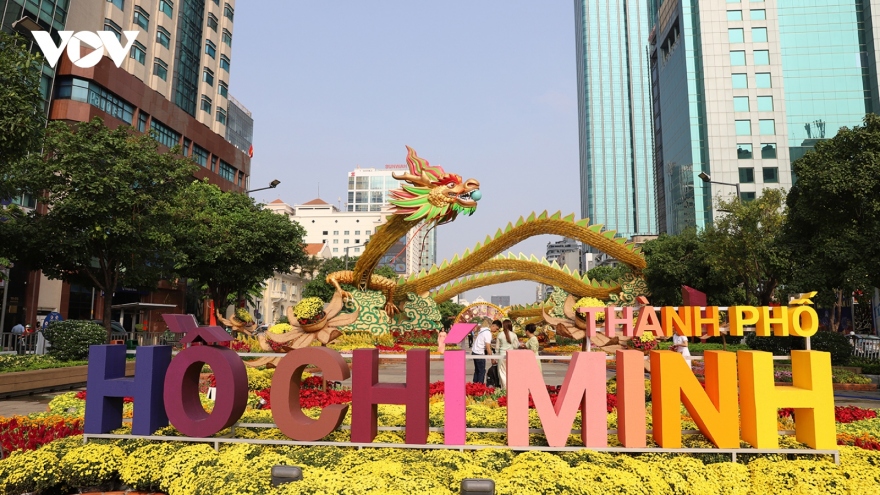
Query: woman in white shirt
point(506, 340)
point(680, 345)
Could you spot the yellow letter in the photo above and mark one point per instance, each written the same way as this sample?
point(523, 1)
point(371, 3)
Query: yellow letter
point(738, 318)
point(811, 396)
point(775, 318)
point(802, 321)
point(711, 320)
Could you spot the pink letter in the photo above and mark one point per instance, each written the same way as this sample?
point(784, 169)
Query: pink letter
point(585, 379)
point(455, 426)
point(625, 319)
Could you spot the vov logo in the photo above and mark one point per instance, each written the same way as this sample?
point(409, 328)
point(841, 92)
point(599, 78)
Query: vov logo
point(98, 40)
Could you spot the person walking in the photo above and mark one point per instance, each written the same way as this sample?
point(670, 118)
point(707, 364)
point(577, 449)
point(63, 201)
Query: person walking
point(507, 340)
point(532, 344)
point(680, 345)
point(482, 346)
point(17, 332)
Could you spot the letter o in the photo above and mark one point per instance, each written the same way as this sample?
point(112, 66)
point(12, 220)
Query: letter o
point(185, 411)
point(74, 46)
point(803, 321)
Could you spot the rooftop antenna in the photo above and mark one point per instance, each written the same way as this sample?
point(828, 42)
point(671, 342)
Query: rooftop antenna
point(319, 190)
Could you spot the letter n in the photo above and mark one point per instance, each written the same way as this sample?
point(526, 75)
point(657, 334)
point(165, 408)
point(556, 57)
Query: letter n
point(714, 410)
point(583, 389)
point(811, 396)
point(107, 386)
point(367, 393)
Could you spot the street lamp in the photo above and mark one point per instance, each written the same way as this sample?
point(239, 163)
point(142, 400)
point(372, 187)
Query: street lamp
point(272, 185)
point(346, 253)
point(26, 25)
point(708, 179)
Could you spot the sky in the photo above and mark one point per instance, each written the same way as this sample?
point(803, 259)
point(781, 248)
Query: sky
point(486, 89)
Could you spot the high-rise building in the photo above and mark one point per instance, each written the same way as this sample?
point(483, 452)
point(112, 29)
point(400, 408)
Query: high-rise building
point(614, 106)
point(741, 89)
point(369, 190)
point(500, 301)
point(174, 83)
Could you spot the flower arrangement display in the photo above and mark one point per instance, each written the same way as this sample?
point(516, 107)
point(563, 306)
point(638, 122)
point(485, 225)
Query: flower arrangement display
point(243, 316)
point(589, 302)
point(309, 310)
point(280, 328)
point(24, 433)
point(644, 342)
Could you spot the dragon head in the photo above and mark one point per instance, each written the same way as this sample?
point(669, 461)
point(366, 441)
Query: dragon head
point(432, 194)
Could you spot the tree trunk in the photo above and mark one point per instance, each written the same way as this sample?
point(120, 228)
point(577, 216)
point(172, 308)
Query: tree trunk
point(108, 312)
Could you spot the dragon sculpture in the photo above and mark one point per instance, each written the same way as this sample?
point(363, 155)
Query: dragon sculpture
point(429, 195)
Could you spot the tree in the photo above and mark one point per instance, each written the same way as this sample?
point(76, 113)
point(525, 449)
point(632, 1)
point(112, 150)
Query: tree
point(676, 260)
point(748, 241)
point(448, 311)
point(103, 210)
point(834, 215)
point(608, 273)
point(22, 118)
point(319, 287)
point(229, 243)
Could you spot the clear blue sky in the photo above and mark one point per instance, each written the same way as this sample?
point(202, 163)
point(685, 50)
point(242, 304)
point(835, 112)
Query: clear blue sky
point(487, 89)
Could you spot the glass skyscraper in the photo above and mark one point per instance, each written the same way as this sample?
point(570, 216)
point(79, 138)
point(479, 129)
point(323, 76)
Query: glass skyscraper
point(614, 105)
point(743, 88)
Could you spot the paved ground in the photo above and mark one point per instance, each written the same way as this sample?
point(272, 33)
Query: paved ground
point(554, 373)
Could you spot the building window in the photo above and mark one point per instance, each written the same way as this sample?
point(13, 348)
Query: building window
point(160, 68)
point(227, 37)
point(142, 121)
point(740, 103)
point(746, 175)
point(335, 241)
point(200, 155)
point(765, 103)
point(224, 62)
point(228, 11)
point(212, 22)
point(114, 28)
point(335, 232)
point(345, 241)
point(758, 15)
point(223, 89)
point(139, 52)
point(771, 175)
point(759, 35)
point(76, 89)
point(744, 151)
point(335, 250)
point(345, 233)
point(735, 35)
point(164, 134)
point(357, 232)
point(216, 2)
point(141, 17)
point(743, 127)
point(206, 104)
point(120, 4)
point(762, 57)
point(746, 197)
point(734, 15)
point(357, 249)
point(762, 80)
point(366, 232)
point(187, 146)
point(737, 57)
point(221, 116)
point(210, 49)
point(208, 76)
point(357, 241)
point(767, 127)
point(768, 150)
point(740, 81)
point(163, 37)
point(325, 232)
point(167, 6)
point(227, 171)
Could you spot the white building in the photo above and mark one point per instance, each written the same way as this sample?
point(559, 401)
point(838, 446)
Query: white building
point(284, 290)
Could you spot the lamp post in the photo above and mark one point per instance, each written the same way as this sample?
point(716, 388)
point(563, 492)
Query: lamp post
point(708, 179)
point(346, 254)
point(272, 185)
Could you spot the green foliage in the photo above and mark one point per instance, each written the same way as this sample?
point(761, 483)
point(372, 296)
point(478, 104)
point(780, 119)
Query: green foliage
point(22, 117)
point(676, 260)
point(448, 311)
point(608, 273)
point(229, 243)
point(834, 213)
point(868, 366)
point(71, 339)
point(318, 286)
point(748, 242)
point(10, 363)
point(106, 192)
point(835, 343)
point(778, 346)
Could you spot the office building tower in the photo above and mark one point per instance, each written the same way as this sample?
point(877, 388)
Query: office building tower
point(614, 124)
point(369, 190)
point(741, 89)
point(500, 301)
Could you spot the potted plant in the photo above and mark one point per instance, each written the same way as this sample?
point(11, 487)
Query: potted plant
point(309, 313)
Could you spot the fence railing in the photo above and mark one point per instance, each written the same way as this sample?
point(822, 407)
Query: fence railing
point(866, 346)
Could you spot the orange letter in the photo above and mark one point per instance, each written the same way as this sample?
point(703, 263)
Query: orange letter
point(649, 321)
point(679, 322)
point(714, 409)
point(710, 320)
point(631, 428)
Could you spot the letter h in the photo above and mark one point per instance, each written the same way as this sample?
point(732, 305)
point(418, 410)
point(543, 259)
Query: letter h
point(107, 386)
point(367, 393)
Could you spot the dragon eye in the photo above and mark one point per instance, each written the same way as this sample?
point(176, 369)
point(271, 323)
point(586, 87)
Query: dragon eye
point(450, 185)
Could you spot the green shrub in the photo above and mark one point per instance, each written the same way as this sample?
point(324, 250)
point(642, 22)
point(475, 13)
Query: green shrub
point(779, 346)
point(71, 339)
point(868, 366)
point(834, 342)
